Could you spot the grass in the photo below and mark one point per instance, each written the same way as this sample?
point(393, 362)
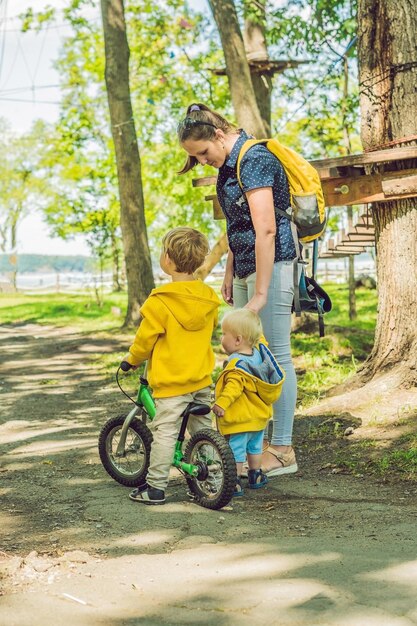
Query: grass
point(79, 311)
point(324, 362)
point(366, 458)
point(320, 363)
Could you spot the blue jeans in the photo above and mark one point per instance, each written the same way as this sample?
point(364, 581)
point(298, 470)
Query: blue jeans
point(276, 321)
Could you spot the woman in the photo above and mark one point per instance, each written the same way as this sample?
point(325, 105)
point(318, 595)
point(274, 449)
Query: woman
point(259, 267)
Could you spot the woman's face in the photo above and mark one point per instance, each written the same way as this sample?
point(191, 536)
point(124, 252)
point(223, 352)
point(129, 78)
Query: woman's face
point(206, 151)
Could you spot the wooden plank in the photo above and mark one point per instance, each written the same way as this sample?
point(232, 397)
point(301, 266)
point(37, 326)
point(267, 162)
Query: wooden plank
point(364, 189)
point(204, 182)
point(399, 186)
point(217, 209)
point(351, 236)
point(363, 221)
point(341, 167)
point(337, 253)
point(329, 250)
point(367, 158)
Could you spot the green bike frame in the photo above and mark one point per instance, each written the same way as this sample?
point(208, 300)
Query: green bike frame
point(144, 400)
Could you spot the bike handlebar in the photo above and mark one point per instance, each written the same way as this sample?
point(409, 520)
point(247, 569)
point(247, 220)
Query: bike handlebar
point(125, 366)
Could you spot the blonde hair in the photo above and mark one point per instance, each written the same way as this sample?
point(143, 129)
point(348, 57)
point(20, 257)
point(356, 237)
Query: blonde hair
point(200, 123)
point(244, 322)
point(186, 247)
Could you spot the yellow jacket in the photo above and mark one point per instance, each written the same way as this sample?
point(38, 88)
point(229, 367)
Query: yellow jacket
point(247, 392)
point(174, 336)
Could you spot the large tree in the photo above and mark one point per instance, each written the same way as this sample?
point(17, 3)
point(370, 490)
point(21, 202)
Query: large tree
point(237, 68)
point(388, 98)
point(132, 214)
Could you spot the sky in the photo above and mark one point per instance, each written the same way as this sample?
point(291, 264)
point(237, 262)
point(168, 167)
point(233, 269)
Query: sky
point(28, 91)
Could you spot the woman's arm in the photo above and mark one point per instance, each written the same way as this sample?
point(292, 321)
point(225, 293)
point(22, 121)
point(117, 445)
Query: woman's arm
point(261, 206)
point(227, 286)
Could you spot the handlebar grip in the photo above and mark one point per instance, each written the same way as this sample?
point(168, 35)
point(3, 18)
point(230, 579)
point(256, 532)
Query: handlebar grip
point(125, 366)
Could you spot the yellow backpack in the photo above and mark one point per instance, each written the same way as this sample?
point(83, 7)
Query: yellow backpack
point(307, 201)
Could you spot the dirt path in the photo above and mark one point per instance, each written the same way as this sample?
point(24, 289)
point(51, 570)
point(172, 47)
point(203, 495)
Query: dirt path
point(311, 549)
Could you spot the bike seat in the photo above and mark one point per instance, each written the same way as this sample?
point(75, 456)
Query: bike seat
point(197, 408)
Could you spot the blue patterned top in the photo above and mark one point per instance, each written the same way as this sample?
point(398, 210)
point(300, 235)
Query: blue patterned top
point(258, 168)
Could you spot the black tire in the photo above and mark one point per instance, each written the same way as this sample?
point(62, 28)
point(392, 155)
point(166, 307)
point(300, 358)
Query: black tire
point(215, 485)
point(131, 468)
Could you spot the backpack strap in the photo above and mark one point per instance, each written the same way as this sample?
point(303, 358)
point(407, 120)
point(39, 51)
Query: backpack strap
point(245, 147)
point(314, 259)
point(298, 260)
point(249, 143)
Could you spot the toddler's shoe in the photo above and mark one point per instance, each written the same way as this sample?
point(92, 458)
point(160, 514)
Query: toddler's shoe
point(147, 495)
point(238, 489)
point(257, 479)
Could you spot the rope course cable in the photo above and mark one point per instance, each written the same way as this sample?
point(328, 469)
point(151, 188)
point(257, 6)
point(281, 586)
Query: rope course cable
point(3, 7)
point(340, 58)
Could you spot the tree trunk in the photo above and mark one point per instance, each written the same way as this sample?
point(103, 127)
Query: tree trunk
point(13, 243)
point(237, 68)
point(387, 78)
point(132, 215)
point(256, 50)
point(115, 253)
point(218, 250)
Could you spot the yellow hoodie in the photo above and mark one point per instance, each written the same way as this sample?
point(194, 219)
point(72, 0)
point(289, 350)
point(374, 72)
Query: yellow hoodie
point(247, 392)
point(175, 337)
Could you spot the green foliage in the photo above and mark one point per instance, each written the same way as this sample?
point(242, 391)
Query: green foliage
point(172, 48)
point(323, 111)
point(22, 186)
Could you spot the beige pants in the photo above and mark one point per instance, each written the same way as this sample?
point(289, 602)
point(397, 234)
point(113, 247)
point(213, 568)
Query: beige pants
point(165, 428)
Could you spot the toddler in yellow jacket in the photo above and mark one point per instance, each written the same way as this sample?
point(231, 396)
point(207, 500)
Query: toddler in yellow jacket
point(245, 391)
point(174, 336)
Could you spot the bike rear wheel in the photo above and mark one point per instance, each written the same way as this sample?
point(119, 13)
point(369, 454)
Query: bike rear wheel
point(214, 486)
point(130, 467)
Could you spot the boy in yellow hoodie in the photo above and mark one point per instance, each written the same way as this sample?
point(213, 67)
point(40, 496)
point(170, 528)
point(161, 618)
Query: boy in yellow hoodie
point(245, 391)
point(174, 336)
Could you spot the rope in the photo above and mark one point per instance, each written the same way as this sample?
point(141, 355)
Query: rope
point(381, 146)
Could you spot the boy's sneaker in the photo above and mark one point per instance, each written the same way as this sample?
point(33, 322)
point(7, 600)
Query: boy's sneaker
point(257, 479)
point(147, 495)
point(238, 489)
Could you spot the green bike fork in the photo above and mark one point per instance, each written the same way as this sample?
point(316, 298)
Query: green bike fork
point(188, 468)
point(144, 399)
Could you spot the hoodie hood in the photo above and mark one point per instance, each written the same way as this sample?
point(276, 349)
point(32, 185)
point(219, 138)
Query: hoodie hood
point(267, 378)
point(247, 392)
point(191, 303)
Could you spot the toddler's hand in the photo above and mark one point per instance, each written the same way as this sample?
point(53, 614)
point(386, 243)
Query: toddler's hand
point(217, 410)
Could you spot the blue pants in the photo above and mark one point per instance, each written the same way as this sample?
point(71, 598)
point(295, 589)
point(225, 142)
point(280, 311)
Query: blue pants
point(276, 321)
point(246, 443)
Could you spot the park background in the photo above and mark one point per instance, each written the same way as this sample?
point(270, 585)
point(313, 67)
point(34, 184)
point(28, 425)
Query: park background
point(355, 429)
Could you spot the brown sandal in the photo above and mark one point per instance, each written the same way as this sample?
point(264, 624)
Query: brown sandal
point(287, 460)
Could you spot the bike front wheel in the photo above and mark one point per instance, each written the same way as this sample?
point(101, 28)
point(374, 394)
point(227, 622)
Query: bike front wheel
point(214, 486)
point(128, 467)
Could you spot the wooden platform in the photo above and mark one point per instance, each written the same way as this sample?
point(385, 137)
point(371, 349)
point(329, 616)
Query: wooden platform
point(345, 181)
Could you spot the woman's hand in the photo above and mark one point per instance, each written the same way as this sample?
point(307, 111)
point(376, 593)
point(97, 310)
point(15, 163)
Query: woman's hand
point(227, 286)
point(217, 410)
point(227, 290)
point(256, 303)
